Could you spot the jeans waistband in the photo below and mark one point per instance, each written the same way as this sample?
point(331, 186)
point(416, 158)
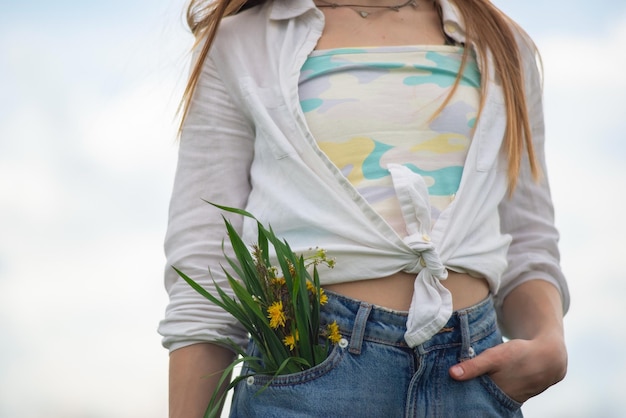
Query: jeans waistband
point(361, 321)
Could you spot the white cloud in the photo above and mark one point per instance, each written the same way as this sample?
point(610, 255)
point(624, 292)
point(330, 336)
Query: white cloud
point(585, 89)
point(589, 60)
point(81, 331)
point(133, 131)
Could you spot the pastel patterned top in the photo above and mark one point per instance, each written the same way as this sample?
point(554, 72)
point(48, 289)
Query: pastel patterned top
point(371, 107)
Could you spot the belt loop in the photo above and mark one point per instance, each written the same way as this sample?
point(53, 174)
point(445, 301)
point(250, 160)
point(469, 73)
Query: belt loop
point(466, 339)
point(358, 331)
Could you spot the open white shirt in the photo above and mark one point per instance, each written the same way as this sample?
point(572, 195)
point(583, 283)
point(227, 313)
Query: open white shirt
point(245, 144)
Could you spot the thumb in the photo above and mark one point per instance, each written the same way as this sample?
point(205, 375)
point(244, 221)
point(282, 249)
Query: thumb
point(472, 368)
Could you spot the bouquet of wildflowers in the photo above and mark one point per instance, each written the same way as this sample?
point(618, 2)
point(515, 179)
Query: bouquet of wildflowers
point(278, 304)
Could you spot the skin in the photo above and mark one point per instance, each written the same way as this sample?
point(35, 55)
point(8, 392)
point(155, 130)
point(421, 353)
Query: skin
point(531, 361)
point(193, 376)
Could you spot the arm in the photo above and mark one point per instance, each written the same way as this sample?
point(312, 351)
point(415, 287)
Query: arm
point(194, 374)
point(215, 154)
point(533, 296)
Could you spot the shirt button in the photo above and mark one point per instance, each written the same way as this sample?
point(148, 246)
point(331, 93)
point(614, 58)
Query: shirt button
point(449, 27)
point(426, 237)
point(422, 262)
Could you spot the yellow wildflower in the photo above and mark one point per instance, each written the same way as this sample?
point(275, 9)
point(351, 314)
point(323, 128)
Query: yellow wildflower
point(333, 332)
point(310, 287)
point(323, 297)
point(276, 315)
point(278, 281)
point(290, 341)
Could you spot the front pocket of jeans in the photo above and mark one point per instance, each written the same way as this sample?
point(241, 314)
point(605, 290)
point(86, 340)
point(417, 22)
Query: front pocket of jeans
point(498, 394)
point(494, 392)
point(329, 364)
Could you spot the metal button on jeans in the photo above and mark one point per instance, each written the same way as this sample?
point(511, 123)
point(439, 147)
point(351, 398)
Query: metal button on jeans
point(343, 343)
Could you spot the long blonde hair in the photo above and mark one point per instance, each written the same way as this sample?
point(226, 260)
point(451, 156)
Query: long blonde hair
point(486, 27)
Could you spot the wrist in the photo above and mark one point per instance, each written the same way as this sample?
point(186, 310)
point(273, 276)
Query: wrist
point(551, 350)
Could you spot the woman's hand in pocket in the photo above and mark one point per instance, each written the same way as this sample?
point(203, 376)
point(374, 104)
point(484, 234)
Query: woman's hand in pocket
point(521, 368)
point(535, 358)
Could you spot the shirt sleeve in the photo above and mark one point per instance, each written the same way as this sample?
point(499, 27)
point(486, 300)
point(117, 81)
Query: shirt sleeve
point(528, 216)
point(215, 154)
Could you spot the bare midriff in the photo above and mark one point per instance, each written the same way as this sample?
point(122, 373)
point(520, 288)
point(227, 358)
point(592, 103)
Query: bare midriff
point(395, 291)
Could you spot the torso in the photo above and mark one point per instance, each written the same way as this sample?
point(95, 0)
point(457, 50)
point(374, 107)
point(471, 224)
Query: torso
point(409, 26)
point(395, 292)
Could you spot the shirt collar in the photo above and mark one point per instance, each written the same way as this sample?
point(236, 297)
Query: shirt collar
point(288, 9)
point(453, 23)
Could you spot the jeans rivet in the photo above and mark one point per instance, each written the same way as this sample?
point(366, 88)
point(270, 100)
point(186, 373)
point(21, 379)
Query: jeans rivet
point(343, 343)
point(250, 380)
point(471, 352)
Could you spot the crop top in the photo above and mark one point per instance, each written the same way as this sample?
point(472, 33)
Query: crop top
point(369, 107)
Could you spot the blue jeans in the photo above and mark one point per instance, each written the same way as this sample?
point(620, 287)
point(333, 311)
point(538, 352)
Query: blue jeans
point(373, 373)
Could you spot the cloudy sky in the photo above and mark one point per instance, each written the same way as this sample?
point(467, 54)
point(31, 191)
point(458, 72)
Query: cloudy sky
point(88, 93)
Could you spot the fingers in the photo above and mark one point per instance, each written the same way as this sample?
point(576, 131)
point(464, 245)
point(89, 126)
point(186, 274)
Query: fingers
point(485, 363)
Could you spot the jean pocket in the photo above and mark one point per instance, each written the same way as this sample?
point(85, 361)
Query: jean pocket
point(331, 362)
point(498, 394)
point(303, 394)
point(492, 390)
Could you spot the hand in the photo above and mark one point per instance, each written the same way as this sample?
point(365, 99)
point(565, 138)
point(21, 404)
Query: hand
point(521, 368)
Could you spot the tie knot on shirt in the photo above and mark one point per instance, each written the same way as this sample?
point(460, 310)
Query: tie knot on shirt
point(427, 256)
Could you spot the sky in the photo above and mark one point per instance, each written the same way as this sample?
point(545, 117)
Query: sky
point(88, 94)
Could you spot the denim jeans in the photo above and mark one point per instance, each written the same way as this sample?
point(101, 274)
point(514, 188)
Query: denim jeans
point(373, 373)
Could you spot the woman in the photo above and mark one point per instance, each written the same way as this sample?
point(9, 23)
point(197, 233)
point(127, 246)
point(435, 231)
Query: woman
point(406, 139)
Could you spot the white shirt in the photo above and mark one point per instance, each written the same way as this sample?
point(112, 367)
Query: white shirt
point(245, 144)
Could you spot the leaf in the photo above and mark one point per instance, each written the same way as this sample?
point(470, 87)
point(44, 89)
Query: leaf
point(315, 308)
point(320, 353)
point(263, 243)
point(242, 253)
point(232, 210)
